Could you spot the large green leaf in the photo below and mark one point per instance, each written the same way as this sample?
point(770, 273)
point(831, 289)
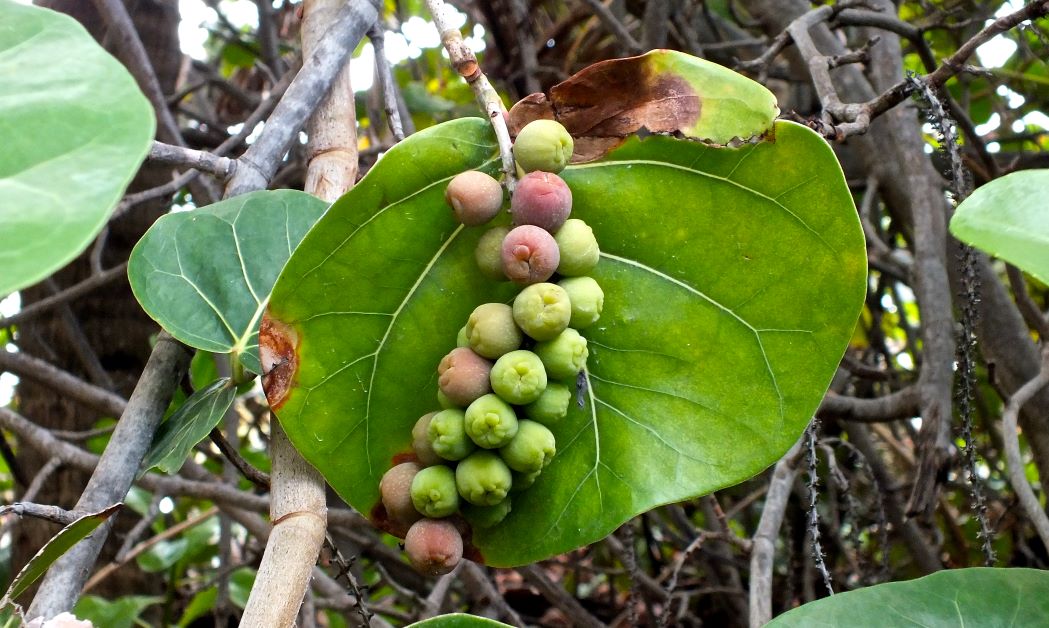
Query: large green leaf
point(189, 425)
point(74, 129)
point(1009, 219)
point(984, 597)
point(55, 548)
point(205, 275)
point(733, 279)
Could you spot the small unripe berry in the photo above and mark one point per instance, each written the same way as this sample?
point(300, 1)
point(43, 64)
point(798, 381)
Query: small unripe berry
point(395, 488)
point(530, 254)
point(483, 517)
point(461, 339)
point(543, 145)
point(587, 299)
point(421, 443)
point(434, 546)
point(551, 406)
point(483, 478)
point(532, 449)
point(523, 481)
point(542, 199)
point(492, 331)
point(475, 197)
point(463, 376)
point(577, 248)
point(519, 377)
point(433, 492)
point(490, 422)
point(444, 401)
point(563, 356)
point(542, 310)
point(447, 435)
point(489, 253)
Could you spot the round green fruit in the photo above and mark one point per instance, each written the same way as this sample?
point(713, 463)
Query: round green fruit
point(578, 252)
point(551, 406)
point(489, 253)
point(483, 517)
point(434, 493)
point(543, 145)
point(519, 377)
point(492, 331)
point(564, 357)
point(447, 435)
point(587, 299)
point(542, 310)
point(490, 422)
point(483, 479)
point(531, 449)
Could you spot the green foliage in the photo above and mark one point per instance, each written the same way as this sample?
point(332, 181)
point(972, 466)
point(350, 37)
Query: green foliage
point(957, 597)
point(1007, 218)
point(54, 549)
point(765, 276)
point(189, 425)
point(73, 134)
point(122, 612)
point(205, 275)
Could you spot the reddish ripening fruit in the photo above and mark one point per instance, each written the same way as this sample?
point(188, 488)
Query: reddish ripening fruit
point(395, 487)
point(434, 546)
point(421, 444)
point(463, 376)
point(530, 255)
point(541, 199)
point(475, 197)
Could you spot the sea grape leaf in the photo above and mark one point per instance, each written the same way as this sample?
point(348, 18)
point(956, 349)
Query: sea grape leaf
point(733, 279)
point(1007, 217)
point(457, 620)
point(662, 91)
point(978, 596)
point(73, 134)
point(205, 275)
point(122, 612)
point(59, 544)
point(189, 425)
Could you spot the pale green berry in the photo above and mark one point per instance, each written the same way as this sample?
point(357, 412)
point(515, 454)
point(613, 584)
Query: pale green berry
point(543, 145)
point(483, 478)
point(434, 546)
point(564, 357)
point(542, 310)
point(434, 493)
point(531, 449)
point(489, 253)
point(421, 444)
point(483, 517)
point(490, 422)
point(577, 247)
point(587, 299)
point(551, 406)
point(523, 481)
point(519, 377)
point(444, 401)
point(447, 435)
point(461, 339)
point(395, 488)
point(492, 331)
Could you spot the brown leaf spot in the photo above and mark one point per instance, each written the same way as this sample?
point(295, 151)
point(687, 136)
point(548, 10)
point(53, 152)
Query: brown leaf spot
point(278, 353)
point(608, 101)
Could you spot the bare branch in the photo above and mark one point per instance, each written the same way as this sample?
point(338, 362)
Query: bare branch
point(1017, 477)
point(222, 167)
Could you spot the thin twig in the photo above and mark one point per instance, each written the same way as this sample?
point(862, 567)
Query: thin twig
point(204, 161)
point(68, 294)
point(386, 82)
point(465, 63)
point(1017, 476)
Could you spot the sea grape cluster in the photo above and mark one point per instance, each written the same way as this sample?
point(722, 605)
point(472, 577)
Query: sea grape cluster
point(514, 369)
